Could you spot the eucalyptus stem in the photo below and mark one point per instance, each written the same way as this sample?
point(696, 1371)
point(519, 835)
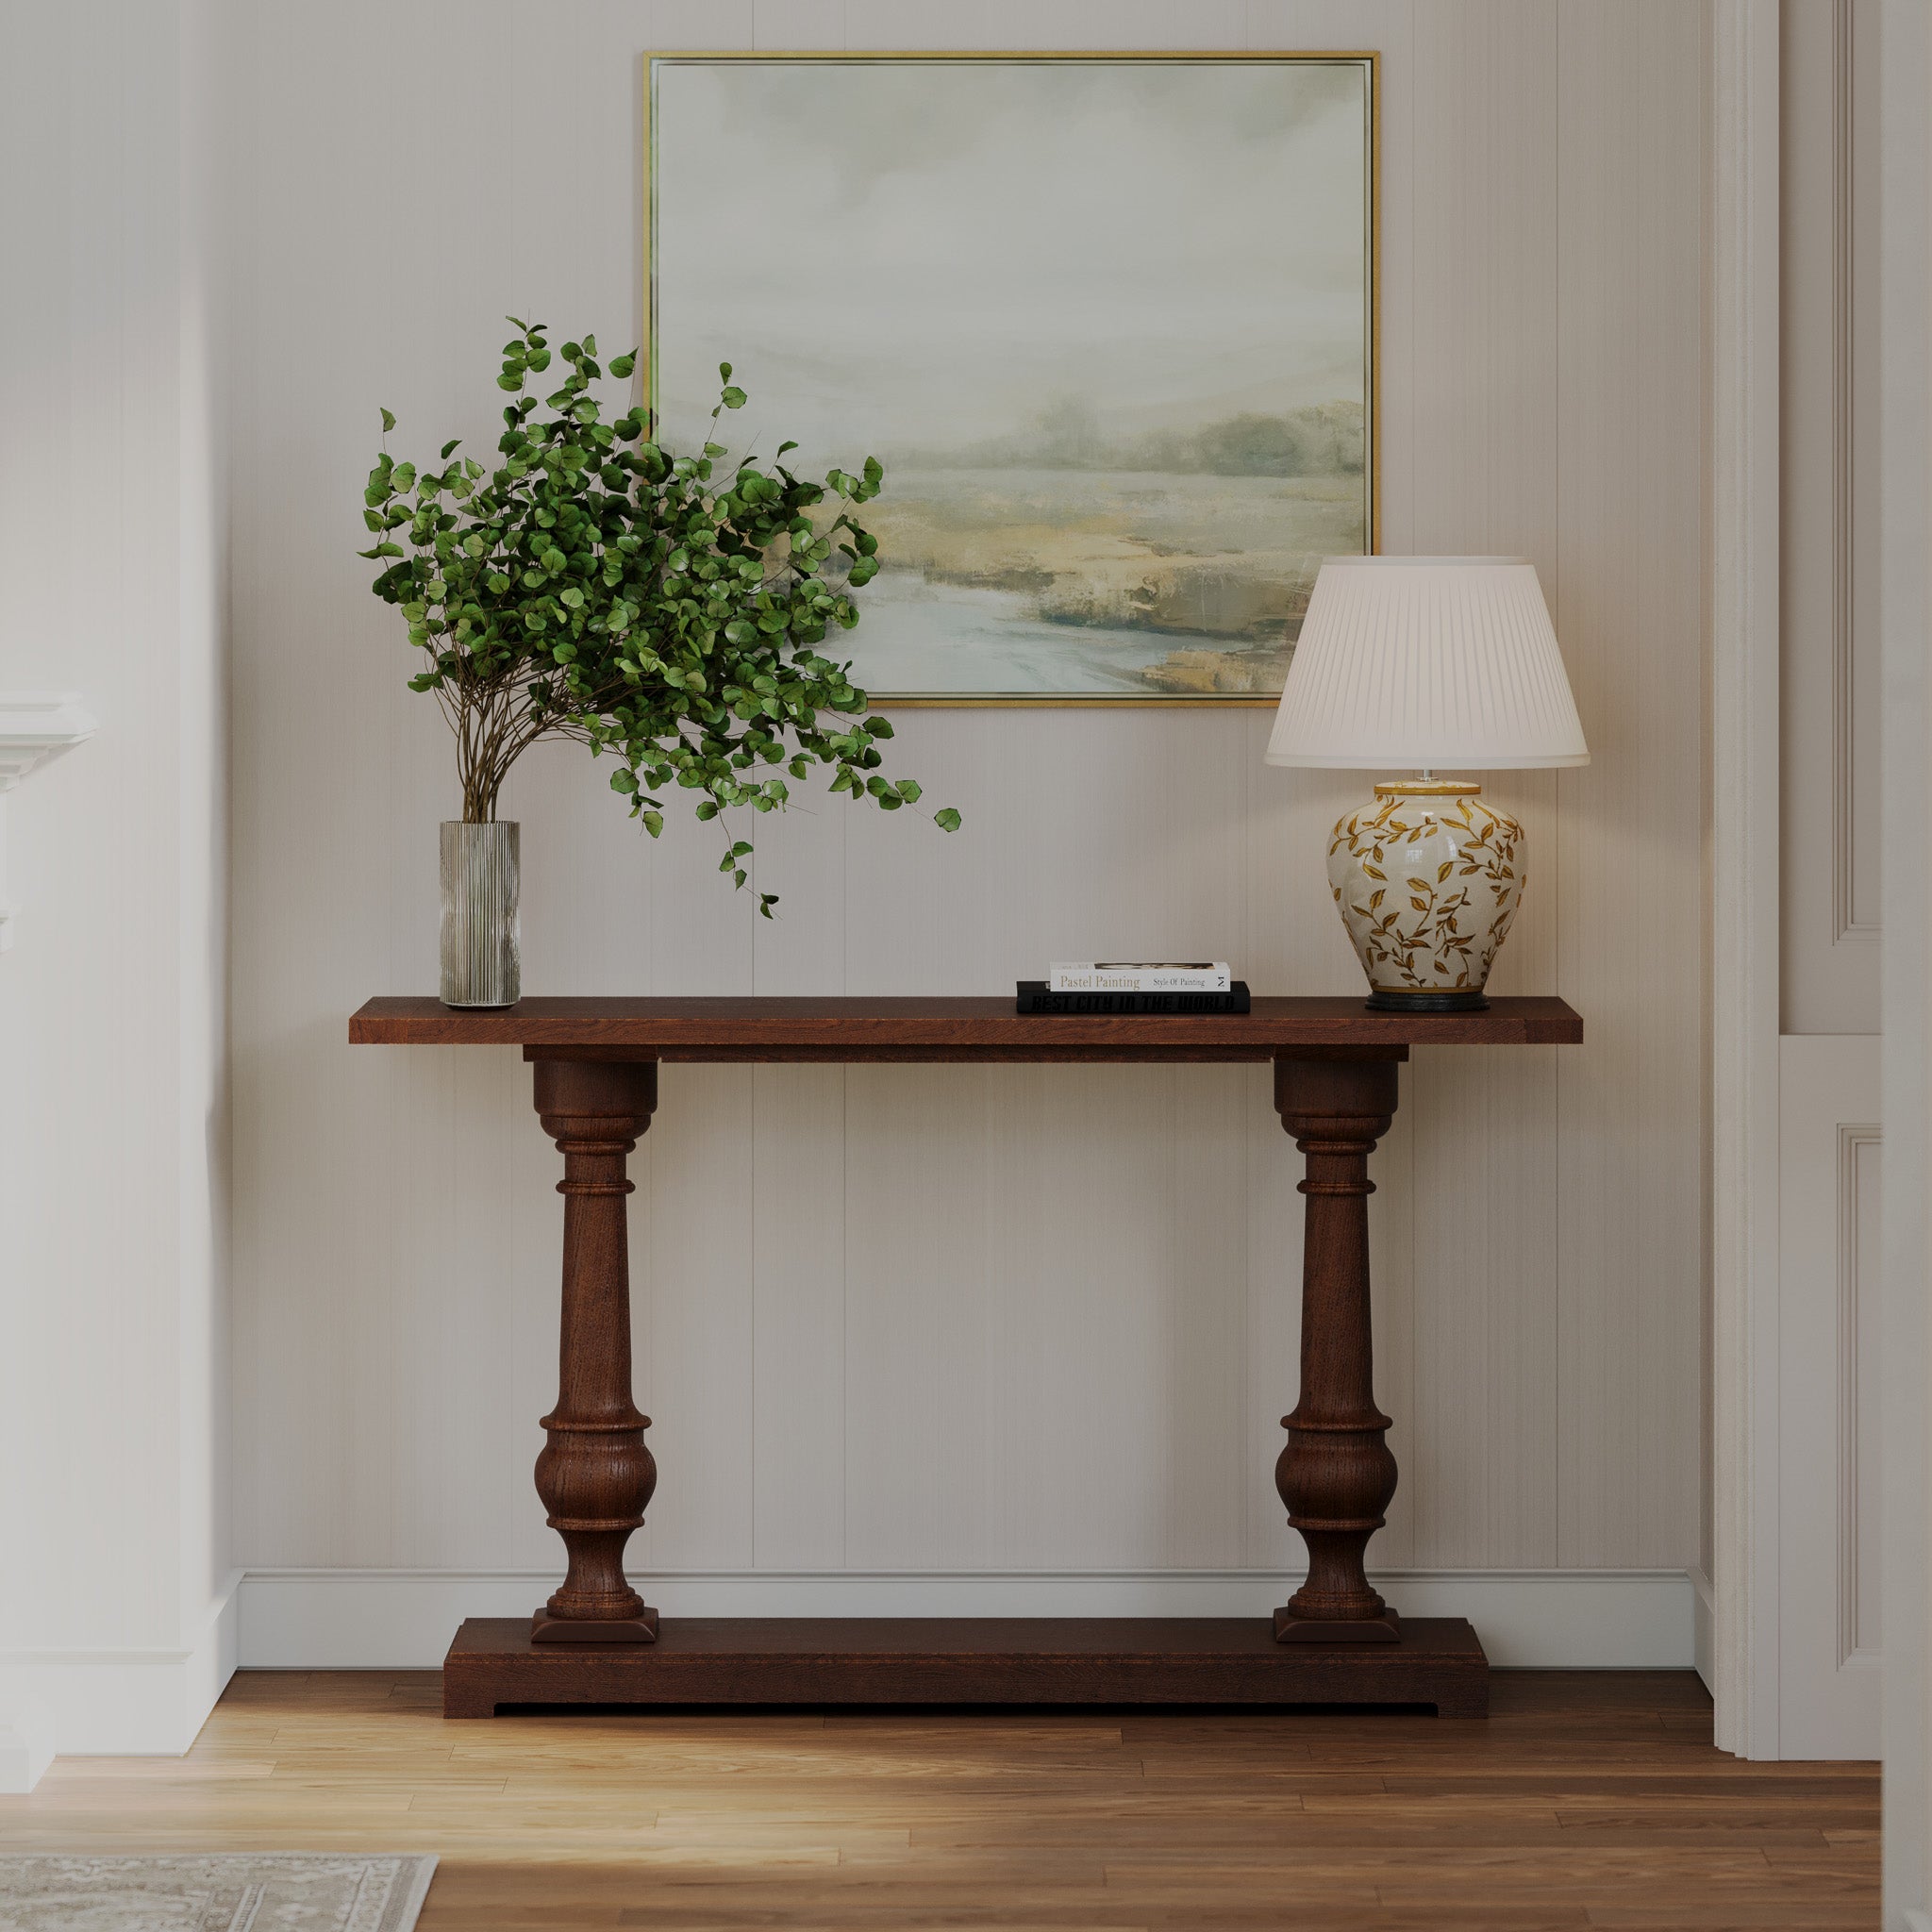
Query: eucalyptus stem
point(596, 585)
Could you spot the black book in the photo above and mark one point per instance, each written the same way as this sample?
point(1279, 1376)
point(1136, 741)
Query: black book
point(1035, 998)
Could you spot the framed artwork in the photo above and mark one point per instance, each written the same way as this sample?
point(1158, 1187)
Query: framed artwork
point(1108, 321)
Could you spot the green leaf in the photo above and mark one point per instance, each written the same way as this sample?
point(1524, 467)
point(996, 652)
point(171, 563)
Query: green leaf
point(598, 585)
point(947, 819)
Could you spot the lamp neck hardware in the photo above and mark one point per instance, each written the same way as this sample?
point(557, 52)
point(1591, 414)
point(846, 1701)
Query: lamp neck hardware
point(1428, 787)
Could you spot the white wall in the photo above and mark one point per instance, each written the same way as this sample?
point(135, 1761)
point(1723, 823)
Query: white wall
point(970, 1320)
point(114, 1591)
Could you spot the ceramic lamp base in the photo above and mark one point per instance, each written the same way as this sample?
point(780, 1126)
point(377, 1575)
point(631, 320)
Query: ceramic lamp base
point(1427, 877)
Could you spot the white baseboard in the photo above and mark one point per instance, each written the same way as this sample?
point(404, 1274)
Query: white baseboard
point(27, 1740)
point(133, 1702)
point(404, 1619)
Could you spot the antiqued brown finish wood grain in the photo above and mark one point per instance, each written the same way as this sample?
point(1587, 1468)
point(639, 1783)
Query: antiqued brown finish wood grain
point(1335, 1473)
point(946, 1029)
point(952, 1660)
point(595, 1475)
point(1588, 1799)
point(594, 1063)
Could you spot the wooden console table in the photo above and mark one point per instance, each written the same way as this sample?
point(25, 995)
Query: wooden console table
point(1335, 1640)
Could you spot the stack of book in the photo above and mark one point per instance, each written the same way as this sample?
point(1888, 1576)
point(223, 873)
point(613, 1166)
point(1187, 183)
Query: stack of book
point(1135, 986)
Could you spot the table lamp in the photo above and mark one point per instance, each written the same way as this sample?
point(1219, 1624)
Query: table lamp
point(1427, 661)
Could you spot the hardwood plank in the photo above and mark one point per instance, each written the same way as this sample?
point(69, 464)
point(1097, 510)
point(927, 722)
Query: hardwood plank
point(1194, 1820)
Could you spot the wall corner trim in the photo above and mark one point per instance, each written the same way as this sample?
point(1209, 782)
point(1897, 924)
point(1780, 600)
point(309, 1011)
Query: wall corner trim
point(1744, 792)
point(140, 1701)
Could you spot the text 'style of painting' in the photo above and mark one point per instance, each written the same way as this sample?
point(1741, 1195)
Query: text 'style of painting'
point(1108, 323)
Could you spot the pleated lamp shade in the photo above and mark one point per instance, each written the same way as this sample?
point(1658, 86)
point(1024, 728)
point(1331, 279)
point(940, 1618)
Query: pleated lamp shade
point(1427, 661)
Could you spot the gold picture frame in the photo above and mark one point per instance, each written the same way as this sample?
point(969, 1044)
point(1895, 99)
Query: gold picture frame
point(1367, 501)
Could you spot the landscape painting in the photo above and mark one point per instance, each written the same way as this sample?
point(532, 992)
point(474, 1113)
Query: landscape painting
point(1108, 324)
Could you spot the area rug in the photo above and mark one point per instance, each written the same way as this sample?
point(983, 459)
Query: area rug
point(240, 1891)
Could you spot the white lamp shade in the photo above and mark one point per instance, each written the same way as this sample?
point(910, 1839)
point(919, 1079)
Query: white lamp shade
point(1427, 661)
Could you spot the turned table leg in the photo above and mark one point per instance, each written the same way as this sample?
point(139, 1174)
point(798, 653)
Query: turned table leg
point(1335, 1474)
point(595, 1475)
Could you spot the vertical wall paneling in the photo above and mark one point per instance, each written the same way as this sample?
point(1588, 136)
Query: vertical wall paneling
point(897, 1319)
point(1484, 355)
point(1828, 1491)
point(1628, 608)
point(1827, 1671)
point(1829, 888)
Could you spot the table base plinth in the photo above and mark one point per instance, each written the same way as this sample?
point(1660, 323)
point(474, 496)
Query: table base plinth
point(544, 1628)
point(966, 1661)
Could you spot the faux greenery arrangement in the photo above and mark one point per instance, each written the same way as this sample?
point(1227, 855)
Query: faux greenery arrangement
point(599, 587)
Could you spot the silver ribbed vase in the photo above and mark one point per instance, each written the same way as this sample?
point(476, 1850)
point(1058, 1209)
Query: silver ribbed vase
point(482, 964)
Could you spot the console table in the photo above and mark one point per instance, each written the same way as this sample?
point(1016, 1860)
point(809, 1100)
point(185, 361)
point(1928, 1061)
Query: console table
point(594, 1065)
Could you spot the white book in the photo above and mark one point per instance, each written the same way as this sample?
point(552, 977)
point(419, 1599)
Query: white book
point(1139, 975)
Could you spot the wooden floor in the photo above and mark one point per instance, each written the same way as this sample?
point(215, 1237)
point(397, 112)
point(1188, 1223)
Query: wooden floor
point(1585, 1800)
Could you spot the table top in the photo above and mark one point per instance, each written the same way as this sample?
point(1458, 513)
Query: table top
point(840, 1030)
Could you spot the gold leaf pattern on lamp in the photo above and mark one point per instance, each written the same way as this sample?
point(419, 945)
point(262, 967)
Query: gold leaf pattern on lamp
point(1457, 864)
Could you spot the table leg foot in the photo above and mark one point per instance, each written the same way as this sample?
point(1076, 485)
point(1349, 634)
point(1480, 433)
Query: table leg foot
point(544, 1628)
point(1289, 1628)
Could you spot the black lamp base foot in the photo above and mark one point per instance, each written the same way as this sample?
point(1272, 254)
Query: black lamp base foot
point(1427, 1003)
